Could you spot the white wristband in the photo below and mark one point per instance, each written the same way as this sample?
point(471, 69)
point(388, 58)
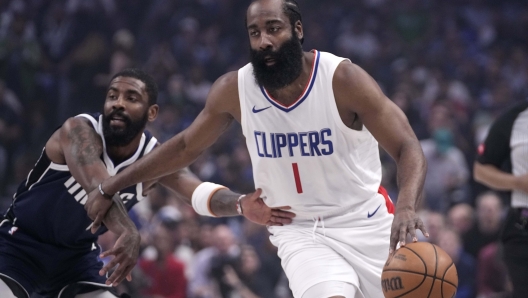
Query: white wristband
point(201, 198)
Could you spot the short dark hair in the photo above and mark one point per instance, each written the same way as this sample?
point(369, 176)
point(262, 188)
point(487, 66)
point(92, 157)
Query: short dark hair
point(150, 84)
point(292, 11)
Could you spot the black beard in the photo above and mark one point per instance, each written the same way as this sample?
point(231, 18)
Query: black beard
point(287, 67)
point(117, 137)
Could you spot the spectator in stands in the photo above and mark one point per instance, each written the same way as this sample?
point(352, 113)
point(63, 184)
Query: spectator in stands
point(165, 273)
point(492, 277)
point(461, 218)
point(435, 223)
point(489, 220)
point(248, 280)
point(209, 263)
point(447, 170)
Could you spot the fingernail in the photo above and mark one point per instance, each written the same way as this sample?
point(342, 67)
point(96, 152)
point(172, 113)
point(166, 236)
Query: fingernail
point(415, 239)
point(426, 234)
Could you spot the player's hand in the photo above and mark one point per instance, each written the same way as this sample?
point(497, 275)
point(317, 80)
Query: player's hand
point(125, 252)
point(405, 222)
point(254, 209)
point(96, 207)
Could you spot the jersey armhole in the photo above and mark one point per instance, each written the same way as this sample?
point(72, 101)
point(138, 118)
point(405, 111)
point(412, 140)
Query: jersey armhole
point(331, 69)
point(242, 99)
point(89, 117)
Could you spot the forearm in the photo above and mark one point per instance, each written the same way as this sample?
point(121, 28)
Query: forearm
point(183, 183)
point(493, 177)
point(164, 160)
point(117, 219)
point(412, 168)
point(223, 203)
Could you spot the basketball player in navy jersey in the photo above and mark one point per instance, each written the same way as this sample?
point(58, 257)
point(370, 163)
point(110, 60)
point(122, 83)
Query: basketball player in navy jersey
point(312, 123)
point(45, 246)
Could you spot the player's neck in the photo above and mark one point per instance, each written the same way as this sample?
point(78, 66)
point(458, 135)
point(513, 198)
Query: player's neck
point(122, 153)
point(293, 91)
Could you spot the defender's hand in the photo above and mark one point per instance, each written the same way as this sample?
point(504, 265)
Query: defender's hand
point(96, 207)
point(125, 252)
point(405, 221)
point(254, 209)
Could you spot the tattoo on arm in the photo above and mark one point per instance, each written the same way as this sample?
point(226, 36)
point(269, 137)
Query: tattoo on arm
point(117, 220)
point(83, 146)
point(223, 203)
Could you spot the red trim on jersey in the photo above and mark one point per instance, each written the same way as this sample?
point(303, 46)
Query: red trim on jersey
point(305, 87)
point(388, 201)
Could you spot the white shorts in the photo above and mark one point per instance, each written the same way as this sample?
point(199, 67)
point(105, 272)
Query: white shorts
point(351, 248)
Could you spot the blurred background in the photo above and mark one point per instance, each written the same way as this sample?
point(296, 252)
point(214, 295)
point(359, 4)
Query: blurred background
point(450, 65)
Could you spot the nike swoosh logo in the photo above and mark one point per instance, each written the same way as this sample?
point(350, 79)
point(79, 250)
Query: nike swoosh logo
point(370, 215)
point(259, 110)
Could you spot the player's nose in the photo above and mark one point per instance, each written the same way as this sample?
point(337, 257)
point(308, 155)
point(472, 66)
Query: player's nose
point(265, 42)
point(119, 103)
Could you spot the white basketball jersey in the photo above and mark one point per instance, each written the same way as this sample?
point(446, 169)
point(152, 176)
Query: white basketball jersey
point(303, 155)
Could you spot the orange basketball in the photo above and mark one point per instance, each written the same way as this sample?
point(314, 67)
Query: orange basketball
point(420, 270)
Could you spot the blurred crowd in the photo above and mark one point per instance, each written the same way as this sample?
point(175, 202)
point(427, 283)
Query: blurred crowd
point(450, 65)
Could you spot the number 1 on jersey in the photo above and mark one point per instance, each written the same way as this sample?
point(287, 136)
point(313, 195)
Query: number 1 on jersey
point(297, 177)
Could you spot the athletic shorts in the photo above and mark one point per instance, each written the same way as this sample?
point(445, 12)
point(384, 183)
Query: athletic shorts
point(48, 269)
point(351, 248)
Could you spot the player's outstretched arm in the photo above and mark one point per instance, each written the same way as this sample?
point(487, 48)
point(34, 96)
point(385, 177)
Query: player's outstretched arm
point(357, 93)
point(223, 202)
point(182, 149)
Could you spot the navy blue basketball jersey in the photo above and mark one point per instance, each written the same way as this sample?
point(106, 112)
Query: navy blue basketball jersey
point(49, 204)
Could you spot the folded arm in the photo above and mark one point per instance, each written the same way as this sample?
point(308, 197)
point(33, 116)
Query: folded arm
point(78, 145)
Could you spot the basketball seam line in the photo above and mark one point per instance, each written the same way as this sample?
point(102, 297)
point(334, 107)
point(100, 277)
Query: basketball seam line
point(436, 269)
point(443, 276)
point(425, 266)
point(418, 273)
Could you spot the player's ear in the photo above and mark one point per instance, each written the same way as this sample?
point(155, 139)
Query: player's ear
point(153, 112)
point(299, 30)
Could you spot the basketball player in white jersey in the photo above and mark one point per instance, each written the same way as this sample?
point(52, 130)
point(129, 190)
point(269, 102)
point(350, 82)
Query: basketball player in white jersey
point(312, 123)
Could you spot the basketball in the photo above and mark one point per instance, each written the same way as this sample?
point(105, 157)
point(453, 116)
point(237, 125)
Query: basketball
point(420, 270)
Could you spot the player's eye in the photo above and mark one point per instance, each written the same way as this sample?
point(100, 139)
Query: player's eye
point(274, 29)
point(253, 33)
